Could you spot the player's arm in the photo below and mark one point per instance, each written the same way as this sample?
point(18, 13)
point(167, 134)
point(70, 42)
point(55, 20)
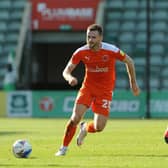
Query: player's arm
point(132, 75)
point(67, 74)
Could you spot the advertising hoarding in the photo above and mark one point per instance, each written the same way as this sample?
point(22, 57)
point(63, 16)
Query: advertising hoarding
point(61, 15)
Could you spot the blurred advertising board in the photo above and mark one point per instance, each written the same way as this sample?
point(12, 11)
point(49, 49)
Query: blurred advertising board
point(60, 104)
point(54, 103)
point(3, 104)
point(63, 14)
point(19, 104)
point(125, 105)
point(159, 104)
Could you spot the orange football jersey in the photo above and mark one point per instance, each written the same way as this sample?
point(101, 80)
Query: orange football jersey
point(99, 67)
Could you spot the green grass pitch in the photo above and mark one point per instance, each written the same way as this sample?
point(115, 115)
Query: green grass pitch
point(123, 144)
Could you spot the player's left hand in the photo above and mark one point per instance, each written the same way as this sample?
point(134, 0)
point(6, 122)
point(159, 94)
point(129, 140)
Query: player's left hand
point(135, 89)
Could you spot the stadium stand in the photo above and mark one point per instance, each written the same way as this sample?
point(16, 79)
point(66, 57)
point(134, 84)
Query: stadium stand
point(11, 12)
point(125, 24)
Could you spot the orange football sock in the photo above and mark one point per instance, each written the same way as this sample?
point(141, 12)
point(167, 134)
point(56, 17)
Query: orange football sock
point(69, 133)
point(90, 127)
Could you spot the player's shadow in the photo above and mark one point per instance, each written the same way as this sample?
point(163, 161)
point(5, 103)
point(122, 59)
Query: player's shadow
point(38, 165)
point(4, 133)
point(138, 155)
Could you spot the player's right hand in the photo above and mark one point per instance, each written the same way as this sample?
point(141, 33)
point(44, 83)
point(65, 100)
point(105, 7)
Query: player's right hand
point(73, 81)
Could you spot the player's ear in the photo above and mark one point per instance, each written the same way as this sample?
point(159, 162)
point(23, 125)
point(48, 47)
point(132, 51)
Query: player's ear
point(101, 37)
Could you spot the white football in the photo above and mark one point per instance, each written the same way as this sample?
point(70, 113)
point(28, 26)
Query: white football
point(21, 148)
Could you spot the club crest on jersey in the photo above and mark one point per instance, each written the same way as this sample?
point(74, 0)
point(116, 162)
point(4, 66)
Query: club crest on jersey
point(122, 53)
point(87, 58)
point(105, 58)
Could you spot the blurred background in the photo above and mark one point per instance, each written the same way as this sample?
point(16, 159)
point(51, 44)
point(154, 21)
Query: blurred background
point(37, 38)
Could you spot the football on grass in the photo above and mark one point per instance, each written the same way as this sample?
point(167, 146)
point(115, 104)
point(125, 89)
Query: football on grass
point(22, 148)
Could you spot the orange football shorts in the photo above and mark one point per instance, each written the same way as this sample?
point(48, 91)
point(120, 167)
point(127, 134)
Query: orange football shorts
point(99, 104)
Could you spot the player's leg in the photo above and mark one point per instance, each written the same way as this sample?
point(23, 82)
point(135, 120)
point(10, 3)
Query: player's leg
point(78, 112)
point(101, 108)
point(99, 122)
point(70, 129)
point(97, 125)
point(166, 135)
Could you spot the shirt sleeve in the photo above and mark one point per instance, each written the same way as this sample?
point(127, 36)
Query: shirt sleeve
point(120, 55)
point(76, 57)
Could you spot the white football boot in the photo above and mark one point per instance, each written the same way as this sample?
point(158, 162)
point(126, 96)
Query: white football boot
point(82, 133)
point(62, 151)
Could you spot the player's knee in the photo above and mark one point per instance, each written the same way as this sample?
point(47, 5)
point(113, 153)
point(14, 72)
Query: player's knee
point(99, 128)
point(76, 119)
point(73, 123)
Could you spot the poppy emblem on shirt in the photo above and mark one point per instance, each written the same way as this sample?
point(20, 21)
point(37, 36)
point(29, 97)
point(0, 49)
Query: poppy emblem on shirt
point(122, 53)
point(105, 58)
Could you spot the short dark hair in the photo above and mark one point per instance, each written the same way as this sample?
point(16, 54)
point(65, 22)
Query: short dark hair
point(96, 27)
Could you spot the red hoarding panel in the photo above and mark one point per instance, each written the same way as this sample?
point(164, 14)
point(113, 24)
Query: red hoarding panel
point(62, 14)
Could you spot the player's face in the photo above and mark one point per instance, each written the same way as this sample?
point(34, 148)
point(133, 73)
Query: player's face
point(93, 39)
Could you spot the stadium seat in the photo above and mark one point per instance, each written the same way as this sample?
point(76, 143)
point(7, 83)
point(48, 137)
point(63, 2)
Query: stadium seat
point(2, 37)
point(114, 15)
point(165, 72)
point(157, 49)
point(154, 83)
point(139, 51)
point(139, 60)
point(141, 82)
point(159, 15)
point(131, 4)
point(165, 83)
point(4, 15)
point(116, 4)
point(2, 72)
point(1, 49)
point(140, 69)
point(17, 15)
point(142, 4)
point(156, 60)
point(3, 60)
point(159, 26)
point(3, 26)
point(129, 15)
point(5, 4)
point(128, 26)
point(141, 26)
point(141, 37)
point(126, 37)
point(158, 37)
point(19, 4)
point(127, 48)
point(9, 47)
point(141, 15)
point(165, 61)
point(14, 26)
point(122, 82)
point(161, 4)
point(12, 37)
point(113, 26)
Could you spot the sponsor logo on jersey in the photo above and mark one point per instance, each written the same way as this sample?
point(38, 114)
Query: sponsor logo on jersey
point(98, 69)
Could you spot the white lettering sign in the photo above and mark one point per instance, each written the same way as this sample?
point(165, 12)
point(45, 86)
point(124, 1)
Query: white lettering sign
point(65, 13)
point(125, 106)
point(68, 104)
point(159, 106)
